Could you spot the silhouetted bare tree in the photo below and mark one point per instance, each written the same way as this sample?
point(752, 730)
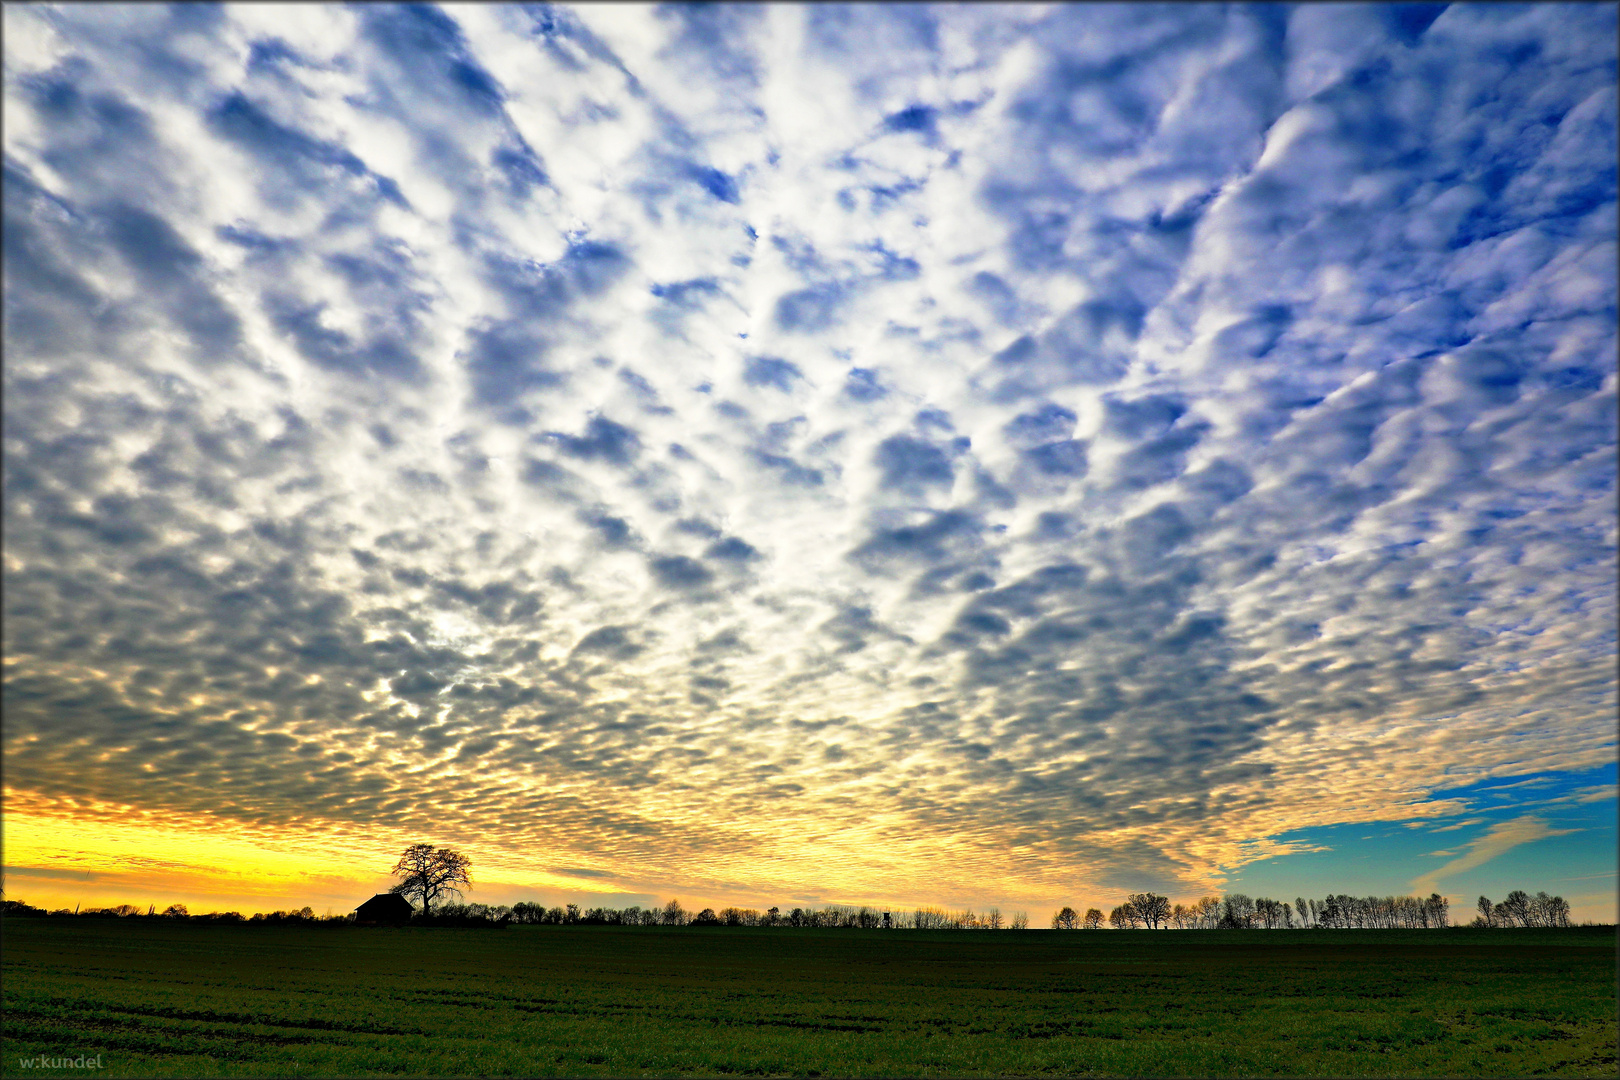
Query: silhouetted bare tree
point(1549, 910)
point(1517, 908)
point(1064, 919)
point(1435, 910)
point(1268, 913)
point(1151, 908)
point(429, 872)
point(1237, 912)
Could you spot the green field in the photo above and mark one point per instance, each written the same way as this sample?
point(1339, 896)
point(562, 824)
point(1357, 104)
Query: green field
point(156, 998)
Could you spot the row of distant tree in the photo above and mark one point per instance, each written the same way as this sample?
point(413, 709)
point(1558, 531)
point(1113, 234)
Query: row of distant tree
point(1233, 911)
point(1520, 909)
point(172, 912)
point(1236, 911)
point(829, 916)
point(671, 914)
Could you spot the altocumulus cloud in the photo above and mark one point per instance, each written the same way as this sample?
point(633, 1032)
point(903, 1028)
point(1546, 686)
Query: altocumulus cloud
point(888, 450)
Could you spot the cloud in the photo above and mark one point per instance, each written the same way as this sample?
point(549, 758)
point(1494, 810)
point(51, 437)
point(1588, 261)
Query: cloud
point(1041, 445)
point(1467, 823)
point(603, 440)
point(911, 463)
point(680, 572)
point(1502, 837)
point(771, 371)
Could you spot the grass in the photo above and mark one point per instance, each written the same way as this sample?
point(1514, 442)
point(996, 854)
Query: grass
point(155, 998)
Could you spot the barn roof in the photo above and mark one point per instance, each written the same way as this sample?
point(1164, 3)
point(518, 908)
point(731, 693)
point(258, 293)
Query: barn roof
point(389, 903)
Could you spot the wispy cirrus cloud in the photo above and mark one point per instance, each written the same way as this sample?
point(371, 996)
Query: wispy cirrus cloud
point(1502, 837)
point(1427, 827)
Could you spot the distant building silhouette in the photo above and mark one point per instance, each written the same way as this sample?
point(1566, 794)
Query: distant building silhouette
point(384, 908)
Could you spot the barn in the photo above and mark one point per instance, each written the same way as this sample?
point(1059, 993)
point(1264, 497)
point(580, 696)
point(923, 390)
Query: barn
point(384, 908)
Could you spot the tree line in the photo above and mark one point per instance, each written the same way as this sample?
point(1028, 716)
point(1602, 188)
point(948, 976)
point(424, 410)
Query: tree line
point(1235, 911)
point(173, 912)
point(673, 913)
point(829, 916)
point(1521, 909)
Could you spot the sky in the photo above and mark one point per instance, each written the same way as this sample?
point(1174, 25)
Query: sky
point(974, 455)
